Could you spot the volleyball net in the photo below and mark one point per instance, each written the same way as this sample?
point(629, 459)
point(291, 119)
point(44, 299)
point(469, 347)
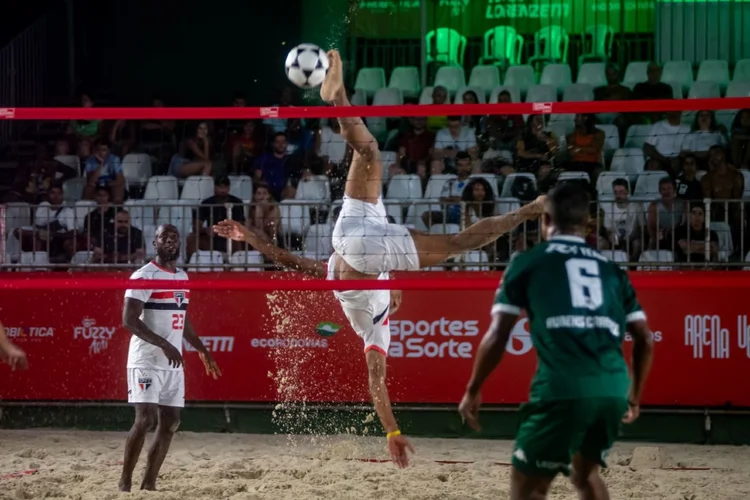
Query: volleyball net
point(668, 178)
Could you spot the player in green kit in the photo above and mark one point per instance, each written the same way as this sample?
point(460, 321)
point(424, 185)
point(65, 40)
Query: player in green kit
point(580, 306)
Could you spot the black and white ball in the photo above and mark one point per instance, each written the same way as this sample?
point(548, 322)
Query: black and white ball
point(306, 65)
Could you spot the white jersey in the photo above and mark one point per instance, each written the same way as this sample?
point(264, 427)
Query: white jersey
point(163, 313)
point(367, 311)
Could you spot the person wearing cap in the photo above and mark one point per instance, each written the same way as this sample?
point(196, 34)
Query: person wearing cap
point(212, 210)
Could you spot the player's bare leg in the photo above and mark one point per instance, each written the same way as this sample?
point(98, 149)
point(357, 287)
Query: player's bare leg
point(523, 487)
point(366, 171)
point(169, 421)
point(145, 415)
point(587, 480)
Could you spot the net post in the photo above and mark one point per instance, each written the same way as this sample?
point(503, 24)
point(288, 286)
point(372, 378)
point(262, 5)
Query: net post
point(707, 223)
point(2, 234)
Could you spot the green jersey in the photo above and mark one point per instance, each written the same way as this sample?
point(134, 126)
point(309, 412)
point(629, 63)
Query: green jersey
point(578, 304)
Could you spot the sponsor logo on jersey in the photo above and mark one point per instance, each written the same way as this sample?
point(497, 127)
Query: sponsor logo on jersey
point(327, 329)
point(311, 343)
point(98, 335)
point(519, 342)
point(144, 383)
point(213, 344)
point(442, 338)
point(29, 333)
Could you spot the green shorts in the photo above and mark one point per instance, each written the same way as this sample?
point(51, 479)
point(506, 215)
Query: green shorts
point(551, 432)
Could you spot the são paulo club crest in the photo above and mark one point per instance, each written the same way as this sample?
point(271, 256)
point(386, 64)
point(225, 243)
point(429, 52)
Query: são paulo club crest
point(179, 297)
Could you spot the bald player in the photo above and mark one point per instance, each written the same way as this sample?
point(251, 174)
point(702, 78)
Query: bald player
point(156, 380)
point(368, 247)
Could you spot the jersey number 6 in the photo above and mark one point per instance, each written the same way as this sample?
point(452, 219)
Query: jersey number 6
point(585, 283)
point(178, 321)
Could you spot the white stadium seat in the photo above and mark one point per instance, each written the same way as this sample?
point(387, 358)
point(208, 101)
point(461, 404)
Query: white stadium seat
point(704, 90)
point(658, 256)
point(198, 188)
point(73, 189)
point(161, 187)
point(318, 241)
point(295, 218)
point(629, 161)
point(647, 186)
point(521, 77)
point(316, 188)
point(615, 255)
point(459, 99)
point(406, 79)
point(714, 70)
point(34, 259)
point(404, 187)
point(369, 81)
point(679, 72)
point(573, 176)
point(557, 75)
point(485, 77)
point(426, 96)
point(741, 71)
point(541, 93)
point(738, 89)
point(84, 207)
point(636, 135)
point(71, 161)
point(578, 92)
point(592, 74)
point(241, 186)
point(450, 77)
point(246, 260)
point(136, 168)
point(611, 139)
point(435, 185)
point(207, 258)
point(635, 72)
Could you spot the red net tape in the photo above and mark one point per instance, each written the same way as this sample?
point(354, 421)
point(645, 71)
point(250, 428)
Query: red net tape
point(654, 280)
point(236, 113)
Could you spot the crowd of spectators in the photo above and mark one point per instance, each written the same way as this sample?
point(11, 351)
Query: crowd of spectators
point(477, 156)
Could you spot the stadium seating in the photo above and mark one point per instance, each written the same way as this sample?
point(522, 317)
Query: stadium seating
point(406, 79)
point(369, 81)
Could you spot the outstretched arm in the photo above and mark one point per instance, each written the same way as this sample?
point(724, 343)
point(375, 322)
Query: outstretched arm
point(238, 232)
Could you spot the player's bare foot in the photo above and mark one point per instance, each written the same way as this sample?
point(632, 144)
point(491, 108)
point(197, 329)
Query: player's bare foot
point(125, 486)
point(333, 85)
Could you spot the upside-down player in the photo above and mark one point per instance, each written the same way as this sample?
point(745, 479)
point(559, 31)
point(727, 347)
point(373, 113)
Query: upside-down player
point(580, 307)
point(10, 353)
point(156, 380)
point(368, 247)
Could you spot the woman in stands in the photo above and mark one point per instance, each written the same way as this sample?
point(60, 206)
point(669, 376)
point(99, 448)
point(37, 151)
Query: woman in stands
point(194, 156)
point(585, 146)
point(10, 353)
point(475, 121)
point(479, 204)
point(706, 132)
point(535, 145)
point(264, 212)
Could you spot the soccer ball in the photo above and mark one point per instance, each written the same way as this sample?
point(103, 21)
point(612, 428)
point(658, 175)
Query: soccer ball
point(306, 65)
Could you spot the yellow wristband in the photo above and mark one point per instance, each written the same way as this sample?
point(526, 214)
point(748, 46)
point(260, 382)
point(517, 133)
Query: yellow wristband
point(393, 434)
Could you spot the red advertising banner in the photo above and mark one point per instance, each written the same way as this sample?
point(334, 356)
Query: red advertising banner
point(298, 346)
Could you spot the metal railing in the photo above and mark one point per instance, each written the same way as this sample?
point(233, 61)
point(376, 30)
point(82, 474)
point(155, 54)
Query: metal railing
point(640, 234)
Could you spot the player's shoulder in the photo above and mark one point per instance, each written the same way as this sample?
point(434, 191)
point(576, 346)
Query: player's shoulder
point(153, 271)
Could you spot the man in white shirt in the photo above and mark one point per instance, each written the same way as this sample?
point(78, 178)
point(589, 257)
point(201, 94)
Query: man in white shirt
point(665, 141)
point(623, 220)
point(454, 138)
point(156, 379)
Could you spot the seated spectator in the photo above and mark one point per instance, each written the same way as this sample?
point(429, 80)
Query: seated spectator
point(665, 142)
point(454, 138)
point(689, 188)
point(194, 155)
point(653, 88)
point(705, 134)
point(300, 140)
point(723, 182)
point(84, 132)
point(450, 198)
point(439, 96)
point(101, 220)
point(691, 239)
point(244, 147)
point(741, 139)
point(417, 144)
point(535, 145)
point(585, 146)
point(33, 179)
point(664, 215)
point(103, 168)
point(264, 212)
point(212, 210)
point(479, 201)
point(614, 91)
point(623, 220)
point(501, 132)
point(654, 165)
point(122, 244)
point(332, 146)
point(54, 228)
point(474, 122)
point(272, 167)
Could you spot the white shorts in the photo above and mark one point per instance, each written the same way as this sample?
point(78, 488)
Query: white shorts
point(368, 243)
point(372, 327)
point(161, 387)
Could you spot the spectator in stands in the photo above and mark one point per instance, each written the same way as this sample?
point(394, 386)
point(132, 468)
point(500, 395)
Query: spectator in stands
point(300, 140)
point(479, 200)
point(653, 87)
point(741, 139)
point(615, 91)
point(33, 179)
point(244, 147)
point(272, 167)
point(285, 99)
point(474, 122)
point(451, 194)
point(654, 165)
point(439, 96)
point(103, 168)
point(705, 133)
point(54, 228)
point(691, 238)
point(332, 147)
point(723, 182)
point(455, 138)
point(101, 220)
point(194, 155)
point(122, 136)
point(121, 244)
point(585, 146)
point(417, 144)
point(264, 212)
point(84, 132)
point(535, 145)
point(623, 220)
point(664, 215)
point(502, 131)
point(212, 210)
point(665, 141)
point(689, 188)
